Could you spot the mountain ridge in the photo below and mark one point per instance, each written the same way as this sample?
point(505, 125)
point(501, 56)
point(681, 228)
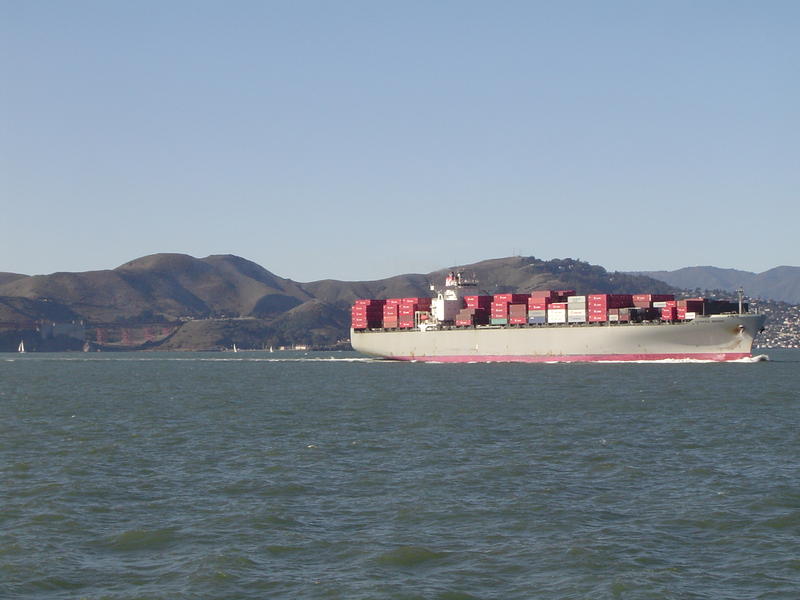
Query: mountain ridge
point(177, 301)
point(781, 283)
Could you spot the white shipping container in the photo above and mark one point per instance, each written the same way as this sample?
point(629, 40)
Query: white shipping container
point(537, 313)
point(576, 319)
point(659, 305)
point(556, 316)
point(576, 300)
point(613, 317)
point(576, 312)
point(690, 315)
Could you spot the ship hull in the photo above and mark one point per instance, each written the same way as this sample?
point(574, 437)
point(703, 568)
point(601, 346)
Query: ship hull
point(717, 338)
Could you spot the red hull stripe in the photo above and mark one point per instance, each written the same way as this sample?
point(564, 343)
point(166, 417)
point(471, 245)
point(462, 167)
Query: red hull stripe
point(715, 356)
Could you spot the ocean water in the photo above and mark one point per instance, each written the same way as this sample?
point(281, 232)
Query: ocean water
point(325, 475)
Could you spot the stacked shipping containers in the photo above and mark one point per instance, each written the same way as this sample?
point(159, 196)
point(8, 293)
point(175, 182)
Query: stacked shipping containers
point(518, 313)
point(367, 314)
point(539, 307)
point(499, 306)
point(391, 313)
point(408, 308)
point(557, 312)
point(476, 311)
point(688, 309)
point(600, 306)
point(576, 309)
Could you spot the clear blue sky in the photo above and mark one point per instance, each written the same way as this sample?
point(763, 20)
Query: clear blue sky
point(362, 139)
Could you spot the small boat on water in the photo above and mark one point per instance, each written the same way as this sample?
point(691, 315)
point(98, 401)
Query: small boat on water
point(21, 347)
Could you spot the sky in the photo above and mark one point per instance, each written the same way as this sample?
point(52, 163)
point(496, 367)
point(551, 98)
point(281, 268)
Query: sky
point(362, 139)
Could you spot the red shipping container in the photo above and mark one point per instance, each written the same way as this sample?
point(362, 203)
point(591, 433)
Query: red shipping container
point(653, 297)
point(394, 301)
point(362, 308)
point(598, 318)
point(558, 306)
point(539, 305)
point(368, 302)
point(517, 320)
point(692, 305)
point(510, 297)
point(478, 301)
point(669, 314)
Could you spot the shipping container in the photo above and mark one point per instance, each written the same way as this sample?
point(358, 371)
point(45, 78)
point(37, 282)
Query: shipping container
point(597, 318)
point(556, 316)
point(537, 320)
point(514, 320)
point(496, 321)
point(576, 318)
point(576, 300)
point(652, 297)
point(539, 304)
point(510, 297)
point(478, 301)
point(369, 302)
point(692, 305)
point(669, 313)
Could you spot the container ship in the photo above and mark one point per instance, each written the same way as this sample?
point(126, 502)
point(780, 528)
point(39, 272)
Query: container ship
point(460, 325)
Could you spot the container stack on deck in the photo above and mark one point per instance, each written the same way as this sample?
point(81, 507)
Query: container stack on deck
point(500, 307)
point(391, 313)
point(408, 309)
point(367, 314)
point(576, 309)
point(476, 311)
point(538, 308)
point(601, 307)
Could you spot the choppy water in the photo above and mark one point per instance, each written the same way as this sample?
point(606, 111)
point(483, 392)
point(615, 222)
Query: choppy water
point(301, 476)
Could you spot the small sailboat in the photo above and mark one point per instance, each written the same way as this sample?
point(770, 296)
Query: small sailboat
point(21, 347)
point(235, 349)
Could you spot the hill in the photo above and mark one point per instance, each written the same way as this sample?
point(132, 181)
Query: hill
point(781, 284)
point(178, 302)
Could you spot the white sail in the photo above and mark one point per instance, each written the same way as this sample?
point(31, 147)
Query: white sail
point(21, 346)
